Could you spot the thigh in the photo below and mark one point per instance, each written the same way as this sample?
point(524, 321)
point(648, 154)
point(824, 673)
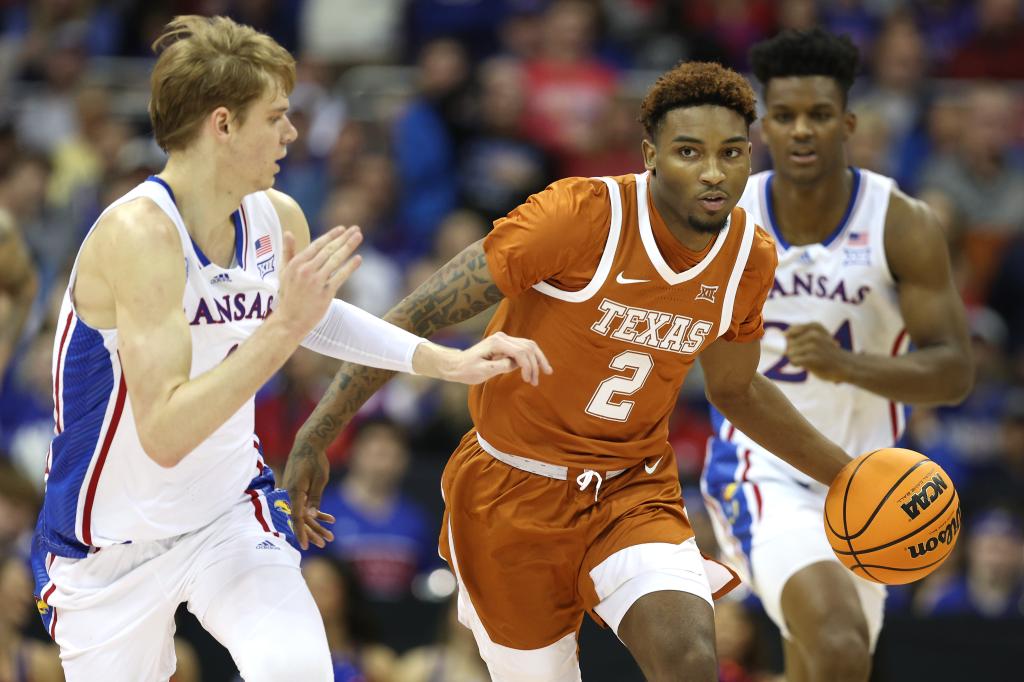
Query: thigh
point(246, 589)
point(516, 546)
point(791, 553)
point(112, 613)
point(645, 544)
point(267, 619)
point(631, 573)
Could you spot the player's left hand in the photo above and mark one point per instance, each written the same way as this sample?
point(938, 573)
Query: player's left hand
point(811, 347)
point(497, 354)
point(305, 477)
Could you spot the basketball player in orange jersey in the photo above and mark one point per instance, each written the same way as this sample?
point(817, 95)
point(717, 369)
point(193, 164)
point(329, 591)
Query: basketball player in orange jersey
point(863, 270)
point(564, 499)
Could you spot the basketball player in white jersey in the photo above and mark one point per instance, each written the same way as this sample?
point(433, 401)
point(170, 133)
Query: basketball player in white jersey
point(863, 273)
point(156, 490)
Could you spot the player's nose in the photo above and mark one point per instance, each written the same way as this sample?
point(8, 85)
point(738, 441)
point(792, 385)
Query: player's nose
point(801, 129)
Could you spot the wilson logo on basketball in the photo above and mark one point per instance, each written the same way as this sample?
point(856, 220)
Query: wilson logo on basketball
point(921, 500)
point(946, 536)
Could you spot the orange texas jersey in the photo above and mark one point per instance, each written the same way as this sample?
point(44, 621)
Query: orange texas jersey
point(591, 273)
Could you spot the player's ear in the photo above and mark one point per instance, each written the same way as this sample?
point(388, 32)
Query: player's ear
point(849, 123)
point(649, 152)
point(221, 120)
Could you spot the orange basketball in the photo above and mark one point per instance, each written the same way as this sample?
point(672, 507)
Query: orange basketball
point(892, 516)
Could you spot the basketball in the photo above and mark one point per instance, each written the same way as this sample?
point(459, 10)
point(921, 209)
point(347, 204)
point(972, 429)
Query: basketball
point(892, 516)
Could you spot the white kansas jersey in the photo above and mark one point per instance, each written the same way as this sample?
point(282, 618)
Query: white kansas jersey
point(843, 283)
point(101, 487)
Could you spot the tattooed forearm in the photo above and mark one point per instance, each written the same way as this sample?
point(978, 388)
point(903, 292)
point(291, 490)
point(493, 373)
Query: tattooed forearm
point(458, 291)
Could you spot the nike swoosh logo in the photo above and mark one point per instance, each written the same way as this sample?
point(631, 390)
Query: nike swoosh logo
point(651, 469)
point(626, 280)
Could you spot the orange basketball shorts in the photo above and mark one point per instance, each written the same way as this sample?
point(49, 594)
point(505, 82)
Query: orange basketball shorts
point(524, 545)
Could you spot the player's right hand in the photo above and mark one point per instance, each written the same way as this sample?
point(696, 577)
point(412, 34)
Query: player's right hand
point(310, 278)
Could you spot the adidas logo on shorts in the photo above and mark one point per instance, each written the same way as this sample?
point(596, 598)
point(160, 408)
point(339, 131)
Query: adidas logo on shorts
point(267, 544)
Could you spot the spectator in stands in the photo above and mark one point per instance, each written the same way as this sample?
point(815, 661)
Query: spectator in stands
point(724, 31)
point(18, 279)
point(610, 147)
point(1005, 298)
point(946, 24)
point(50, 233)
point(26, 399)
point(966, 439)
point(898, 94)
point(304, 174)
point(736, 643)
point(377, 284)
point(568, 89)
point(453, 657)
point(980, 178)
point(996, 47)
point(286, 401)
point(498, 165)
point(474, 23)
point(19, 506)
point(992, 585)
point(1004, 480)
point(426, 139)
point(385, 536)
point(22, 658)
point(356, 651)
point(46, 112)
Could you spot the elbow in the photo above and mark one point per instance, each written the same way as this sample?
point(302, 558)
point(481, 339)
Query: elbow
point(723, 397)
point(961, 383)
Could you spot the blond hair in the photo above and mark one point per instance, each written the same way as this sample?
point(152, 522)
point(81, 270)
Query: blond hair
point(210, 62)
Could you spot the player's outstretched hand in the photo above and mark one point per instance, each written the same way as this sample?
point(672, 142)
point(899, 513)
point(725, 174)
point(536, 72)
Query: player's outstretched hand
point(497, 354)
point(310, 278)
point(305, 476)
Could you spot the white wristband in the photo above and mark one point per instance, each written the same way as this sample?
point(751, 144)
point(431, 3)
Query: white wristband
point(354, 335)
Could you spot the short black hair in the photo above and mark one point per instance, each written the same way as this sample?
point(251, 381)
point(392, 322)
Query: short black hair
point(814, 52)
point(694, 84)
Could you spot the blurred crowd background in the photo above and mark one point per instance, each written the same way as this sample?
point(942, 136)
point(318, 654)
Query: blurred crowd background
point(424, 120)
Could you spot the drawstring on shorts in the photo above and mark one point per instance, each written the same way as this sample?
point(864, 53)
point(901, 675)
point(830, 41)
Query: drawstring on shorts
point(586, 478)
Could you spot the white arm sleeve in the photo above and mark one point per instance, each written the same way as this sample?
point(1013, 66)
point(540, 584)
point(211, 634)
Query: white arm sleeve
point(352, 334)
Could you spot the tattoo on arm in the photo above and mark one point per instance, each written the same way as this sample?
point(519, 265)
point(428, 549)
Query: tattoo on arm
point(460, 290)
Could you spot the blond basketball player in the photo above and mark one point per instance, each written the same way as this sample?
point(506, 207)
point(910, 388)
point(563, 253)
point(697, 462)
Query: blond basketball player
point(564, 498)
point(188, 293)
point(863, 272)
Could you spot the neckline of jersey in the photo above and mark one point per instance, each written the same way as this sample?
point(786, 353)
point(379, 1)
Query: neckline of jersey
point(769, 205)
point(236, 218)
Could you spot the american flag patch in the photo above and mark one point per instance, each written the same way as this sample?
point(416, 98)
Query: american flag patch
point(857, 239)
point(263, 246)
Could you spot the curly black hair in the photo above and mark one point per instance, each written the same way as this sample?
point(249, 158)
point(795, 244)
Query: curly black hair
point(814, 52)
point(693, 84)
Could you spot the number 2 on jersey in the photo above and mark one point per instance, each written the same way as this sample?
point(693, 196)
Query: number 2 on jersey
point(779, 371)
point(602, 402)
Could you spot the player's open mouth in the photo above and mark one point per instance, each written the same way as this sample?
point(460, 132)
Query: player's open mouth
point(803, 157)
point(712, 203)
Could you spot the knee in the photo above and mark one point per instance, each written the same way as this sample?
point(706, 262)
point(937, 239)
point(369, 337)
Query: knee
point(673, 660)
point(840, 654)
point(288, 661)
